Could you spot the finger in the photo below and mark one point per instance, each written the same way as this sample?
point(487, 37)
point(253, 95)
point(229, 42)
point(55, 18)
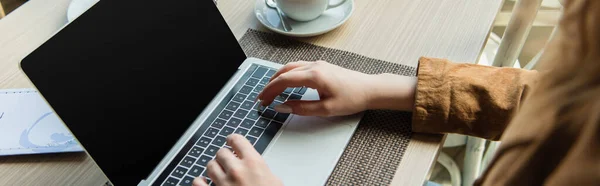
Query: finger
point(227, 159)
point(290, 79)
point(306, 107)
point(215, 172)
point(241, 146)
point(288, 67)
point(199, 181)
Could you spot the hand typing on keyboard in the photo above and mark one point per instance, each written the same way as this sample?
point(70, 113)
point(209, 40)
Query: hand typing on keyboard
point(248, 127)
point(245, 167)
point(341, 91)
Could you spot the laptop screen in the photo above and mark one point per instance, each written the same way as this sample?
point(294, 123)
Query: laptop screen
point(129, 77)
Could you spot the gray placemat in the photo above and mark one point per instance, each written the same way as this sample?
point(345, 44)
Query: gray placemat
point(377, 146)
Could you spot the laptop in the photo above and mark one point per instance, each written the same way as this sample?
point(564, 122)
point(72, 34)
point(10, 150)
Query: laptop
point(150, 89)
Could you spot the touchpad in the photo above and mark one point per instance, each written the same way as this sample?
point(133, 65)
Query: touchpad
point(308, 148)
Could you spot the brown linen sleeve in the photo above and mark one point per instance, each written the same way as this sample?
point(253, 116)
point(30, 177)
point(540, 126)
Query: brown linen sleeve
point(467, 99)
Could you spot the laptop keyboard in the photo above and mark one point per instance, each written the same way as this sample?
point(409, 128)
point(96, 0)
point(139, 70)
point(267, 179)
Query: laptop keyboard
point(241, 115)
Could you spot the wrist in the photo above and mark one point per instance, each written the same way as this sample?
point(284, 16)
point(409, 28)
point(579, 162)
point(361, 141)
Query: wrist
point(390, 91)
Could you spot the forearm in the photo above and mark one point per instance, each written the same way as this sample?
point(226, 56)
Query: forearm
point(392, 92)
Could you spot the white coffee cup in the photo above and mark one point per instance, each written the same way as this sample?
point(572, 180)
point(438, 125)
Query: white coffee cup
point(306, 10)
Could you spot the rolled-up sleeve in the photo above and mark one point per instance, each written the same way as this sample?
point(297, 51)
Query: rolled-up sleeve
point(467, 99)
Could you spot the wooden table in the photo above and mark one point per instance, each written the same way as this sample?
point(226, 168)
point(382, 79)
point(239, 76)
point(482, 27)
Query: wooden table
point(398, 31)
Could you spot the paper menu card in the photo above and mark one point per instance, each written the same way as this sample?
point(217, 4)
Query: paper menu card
point(29, 126)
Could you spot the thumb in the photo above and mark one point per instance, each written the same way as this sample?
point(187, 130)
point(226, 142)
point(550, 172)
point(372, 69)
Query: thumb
point(306, 107)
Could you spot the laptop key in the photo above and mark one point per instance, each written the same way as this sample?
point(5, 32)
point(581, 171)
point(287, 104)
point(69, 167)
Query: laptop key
point(196, 171)
point(302, 91)
point(251, 139)
point(203, 142)
point(288, 90)
point(225, 114)
point(259, 88)
point(240, 113)
point(247, 123)
point(239, 98)
point(246, 89)
point(218, 123)
point(247, 105)
point(264, 140)
point(195, 151)
point(219, 141)
point(262, 122)
point(188, 161)
point(241, 131)
point(211, 150)
point(270, 73)
point(275, 103)
point(268, 135)
point(265, 80)
point(202, 161)
point(252, 97)
point(297, 89)
point(281, 117)
point(272, 129)
point(226, 131)
point(260, 72)
point(179, 172)
point(232, 106)
point(280, 98)
point(284, 96)
point(186, 181)
point(255, 131)
point(253, 114)
point(268, 113)
point(234, 122)
point(252, 82)
point(170, 182)
point(211, 132)
point(295, 97)
point(258, 106)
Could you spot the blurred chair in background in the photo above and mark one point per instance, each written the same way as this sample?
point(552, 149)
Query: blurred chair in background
point(500, 52)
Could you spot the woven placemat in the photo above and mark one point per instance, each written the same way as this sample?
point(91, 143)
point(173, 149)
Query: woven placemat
point(377, 146)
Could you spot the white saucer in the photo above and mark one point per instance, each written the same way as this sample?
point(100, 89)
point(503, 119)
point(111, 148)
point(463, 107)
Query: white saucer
point(328, 21)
